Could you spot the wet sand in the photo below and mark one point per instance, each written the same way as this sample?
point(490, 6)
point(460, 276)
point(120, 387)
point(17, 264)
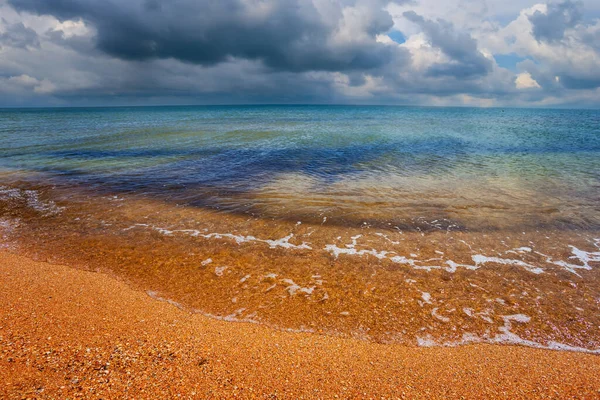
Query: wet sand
point(70, 333)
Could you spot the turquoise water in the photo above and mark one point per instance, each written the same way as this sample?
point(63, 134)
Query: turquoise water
point(384, 163)
point(397, 224)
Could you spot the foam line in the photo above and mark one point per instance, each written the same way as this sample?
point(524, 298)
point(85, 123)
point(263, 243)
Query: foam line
point(239, 239)
point(449, 265)
point(506, 336)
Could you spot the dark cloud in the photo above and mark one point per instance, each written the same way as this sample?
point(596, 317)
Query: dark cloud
point(19, 36)
point(461, 48)
point(291, 35)
point(544, 76)
point(580, 82)
point(82, 44)
point(553, 79)
point(556, 72)
point(559, 17)
point(592, 39)
point(149, 52)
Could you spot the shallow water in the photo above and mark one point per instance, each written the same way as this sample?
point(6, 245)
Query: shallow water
point(419, 225)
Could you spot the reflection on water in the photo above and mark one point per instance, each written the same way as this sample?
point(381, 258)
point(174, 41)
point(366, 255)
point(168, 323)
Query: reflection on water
point(536, 166)
point(423, 226)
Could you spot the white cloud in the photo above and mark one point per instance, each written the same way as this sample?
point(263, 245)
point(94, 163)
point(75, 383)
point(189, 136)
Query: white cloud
point(23, 80)
point(26, 82)
point(525, 81)
point(72, 28)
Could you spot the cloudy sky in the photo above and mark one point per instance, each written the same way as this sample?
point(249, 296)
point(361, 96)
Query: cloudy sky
point(425, 52)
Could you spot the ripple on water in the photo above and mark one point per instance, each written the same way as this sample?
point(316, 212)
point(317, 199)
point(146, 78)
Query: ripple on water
point(439, 287)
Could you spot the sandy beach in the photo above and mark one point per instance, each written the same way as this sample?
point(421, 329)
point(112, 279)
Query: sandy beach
point(299, 199)
point(67, 333)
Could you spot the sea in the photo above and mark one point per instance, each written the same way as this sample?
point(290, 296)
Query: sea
point(426, 226)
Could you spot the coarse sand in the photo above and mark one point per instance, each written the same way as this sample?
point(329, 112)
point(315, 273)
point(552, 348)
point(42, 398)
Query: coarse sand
point(69, 333)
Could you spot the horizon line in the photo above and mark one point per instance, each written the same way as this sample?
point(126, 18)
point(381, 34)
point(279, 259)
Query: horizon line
point(558, 107)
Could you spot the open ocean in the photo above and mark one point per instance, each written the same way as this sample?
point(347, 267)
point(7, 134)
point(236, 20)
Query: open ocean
point(425, 226)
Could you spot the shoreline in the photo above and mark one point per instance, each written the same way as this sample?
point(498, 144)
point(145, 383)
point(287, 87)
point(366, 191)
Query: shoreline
point(387, 286)
point(68, 332)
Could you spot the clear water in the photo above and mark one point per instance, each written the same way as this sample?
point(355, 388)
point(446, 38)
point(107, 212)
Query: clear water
point(247, 158)
point(403, 192)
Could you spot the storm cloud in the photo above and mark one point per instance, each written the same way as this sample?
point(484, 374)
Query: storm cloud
point(551, 26)
point(18, 35)
point(293, 35)
point(465, 59)
point(426, 52)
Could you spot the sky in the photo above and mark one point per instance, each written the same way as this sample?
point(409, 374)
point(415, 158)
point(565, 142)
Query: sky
point(485, 53)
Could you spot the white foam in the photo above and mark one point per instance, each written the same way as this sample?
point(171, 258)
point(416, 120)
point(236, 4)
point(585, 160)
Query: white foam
point(524, 249)
point(522, 318)
point(481, 259)
point(153, 294)
point(9, 194)
point(506, 336)
point(485, 315)
point(426, 297)
point(426, 341)
point(239, 239)
point(135, 226)
point(404, 260)
point(233, 317)
point(294, 288)
point(584, 258)
point(250, 318)
point(383, 235)
point(439, 317)
point(273, 286)
point(245, 278)
point(350, 249)
point(317, 279)
point(452, 266)
point(273, 243)
point(448, 265)
point(31, 199)
point(206, 262)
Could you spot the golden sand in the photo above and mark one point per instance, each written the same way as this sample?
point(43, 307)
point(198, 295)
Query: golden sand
point(67, 333)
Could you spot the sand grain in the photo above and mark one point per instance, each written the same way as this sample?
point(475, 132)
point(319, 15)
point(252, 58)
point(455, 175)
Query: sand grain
point(67, 333)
